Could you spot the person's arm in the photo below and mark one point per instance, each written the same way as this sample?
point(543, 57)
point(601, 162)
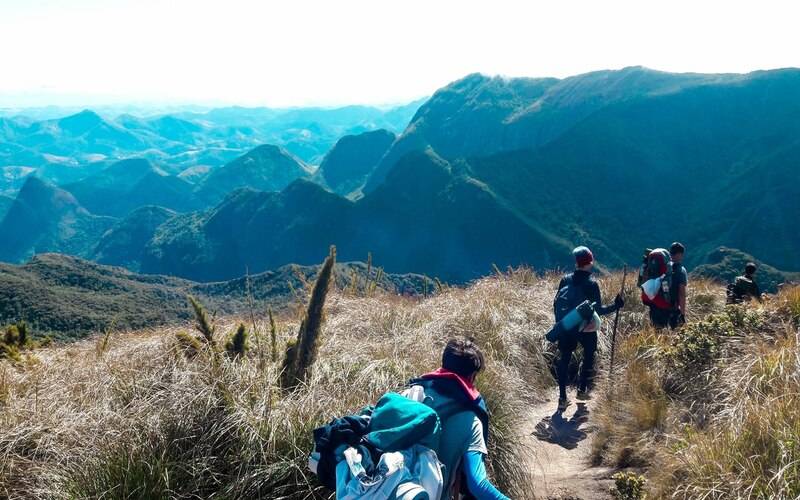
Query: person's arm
point(555, 298)
point(593, 294)
point(478, 482)
point(682, 298)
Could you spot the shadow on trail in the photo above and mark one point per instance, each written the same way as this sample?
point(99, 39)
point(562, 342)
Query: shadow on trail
point(565, 433)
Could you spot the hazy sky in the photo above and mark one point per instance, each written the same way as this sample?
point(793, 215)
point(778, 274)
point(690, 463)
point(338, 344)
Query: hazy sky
point(335, 52)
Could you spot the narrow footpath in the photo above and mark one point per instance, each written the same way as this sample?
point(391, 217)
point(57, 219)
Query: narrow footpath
point(560, 463)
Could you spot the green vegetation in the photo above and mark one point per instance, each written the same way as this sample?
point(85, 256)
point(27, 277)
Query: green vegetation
point(629, 486)
point(725, 264)
point(203, 324)
point(71, 297)
point(705, 411)
point(237, 345)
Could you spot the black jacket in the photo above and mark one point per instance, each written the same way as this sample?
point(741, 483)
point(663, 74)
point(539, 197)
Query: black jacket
point(591, 291)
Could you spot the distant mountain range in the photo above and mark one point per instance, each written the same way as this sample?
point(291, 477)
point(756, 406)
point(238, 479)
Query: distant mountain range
point(70, 148)
point(488, 171)
point(70, 297)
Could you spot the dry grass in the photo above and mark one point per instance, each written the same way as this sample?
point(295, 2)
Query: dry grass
point(145, 421)
point(711, 411)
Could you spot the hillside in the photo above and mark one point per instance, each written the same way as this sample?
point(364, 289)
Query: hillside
point(428, 217)
point(725, 264)
point(70, 297)
point(130, 184)
point(5, 204)
point(265, 168)
point(46, 218)
point(720, 149)
point(386, 339)
point(352, 159)
point(124, 243)
point(503, 171)
point(709, 411)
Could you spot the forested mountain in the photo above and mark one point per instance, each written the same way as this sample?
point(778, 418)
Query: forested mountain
point(71, 297)
point(44, 218)
point(265, 168)
point(63, 146)
point(489, 171)
point(353, 159)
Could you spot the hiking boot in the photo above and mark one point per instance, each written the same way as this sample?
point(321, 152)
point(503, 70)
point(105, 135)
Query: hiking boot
point(583, 395)
point(563, 403)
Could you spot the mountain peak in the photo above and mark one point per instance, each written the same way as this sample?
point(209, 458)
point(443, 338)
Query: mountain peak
point(265, 168)
point(353, 158)
point(80, 123)
point(37, 192)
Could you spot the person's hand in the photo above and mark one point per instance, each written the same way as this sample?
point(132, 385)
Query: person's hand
point(619, 301)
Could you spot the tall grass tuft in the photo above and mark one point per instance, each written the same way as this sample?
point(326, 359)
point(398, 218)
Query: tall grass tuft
point(236, 346)
point(22, 330)
point(273, 337)
point(202, 322)
point(301, 355)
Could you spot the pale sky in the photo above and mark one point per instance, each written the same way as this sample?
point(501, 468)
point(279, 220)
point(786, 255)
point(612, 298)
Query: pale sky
point(326, 52)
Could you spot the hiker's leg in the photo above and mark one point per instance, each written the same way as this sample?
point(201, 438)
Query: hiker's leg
point(676, 320)
point(589, 343)
point(658, 318)
point(565, 349)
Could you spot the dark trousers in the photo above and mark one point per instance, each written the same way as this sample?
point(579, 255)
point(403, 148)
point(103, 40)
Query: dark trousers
point(663, 318)
point(566, 347)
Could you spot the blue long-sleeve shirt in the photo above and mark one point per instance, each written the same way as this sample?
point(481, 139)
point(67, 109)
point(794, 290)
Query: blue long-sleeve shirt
point(478, 482)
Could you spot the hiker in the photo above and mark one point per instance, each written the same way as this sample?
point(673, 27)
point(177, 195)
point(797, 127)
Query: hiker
point(577, 288)
point(680, 283)
point(663, 280)
point(744, 288)
point(393, 449)
point(451, 392)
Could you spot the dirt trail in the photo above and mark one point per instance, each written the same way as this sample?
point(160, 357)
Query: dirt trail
point(560, 463)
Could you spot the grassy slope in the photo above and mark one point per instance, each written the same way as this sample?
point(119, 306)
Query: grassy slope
point(146, 422)
point(710, 411)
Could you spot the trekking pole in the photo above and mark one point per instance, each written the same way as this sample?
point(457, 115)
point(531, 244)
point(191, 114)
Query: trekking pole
point(616, 321)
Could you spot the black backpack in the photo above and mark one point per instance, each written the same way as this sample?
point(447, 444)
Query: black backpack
point(569, 297)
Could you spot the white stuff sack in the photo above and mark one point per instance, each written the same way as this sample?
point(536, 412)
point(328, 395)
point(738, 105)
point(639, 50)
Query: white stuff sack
point(652, 287)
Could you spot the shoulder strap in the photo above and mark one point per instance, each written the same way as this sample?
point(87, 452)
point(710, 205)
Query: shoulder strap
point(457, 405)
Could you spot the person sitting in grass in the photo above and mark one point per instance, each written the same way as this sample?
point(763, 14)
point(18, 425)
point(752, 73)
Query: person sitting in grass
point(451, 392)
point(745, 287)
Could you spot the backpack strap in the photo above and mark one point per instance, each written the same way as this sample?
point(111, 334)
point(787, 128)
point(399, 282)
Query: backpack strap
point(584, 287)
point(677, 274)
point(457, 401)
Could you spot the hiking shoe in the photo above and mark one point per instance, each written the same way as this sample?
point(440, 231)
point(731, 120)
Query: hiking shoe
point(583, 396)
point(562, 404)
